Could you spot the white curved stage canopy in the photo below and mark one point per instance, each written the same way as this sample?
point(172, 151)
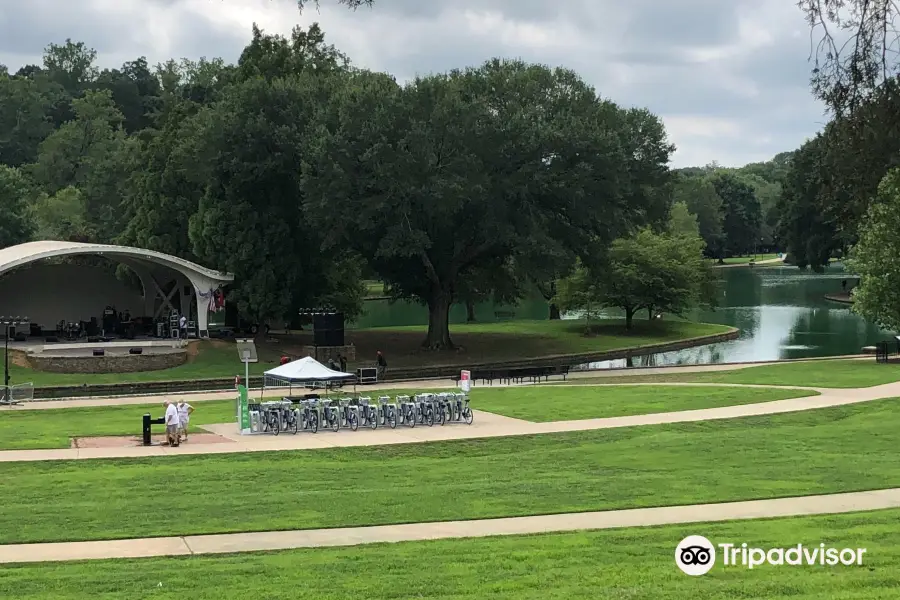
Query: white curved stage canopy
point(49, 292)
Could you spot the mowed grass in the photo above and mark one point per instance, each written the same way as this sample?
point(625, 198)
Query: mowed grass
point(743, 260)
point(838, 449)
point(54, 428)
point(479, 343)
point(634, 563)
point(815, 373)
point(569, 402)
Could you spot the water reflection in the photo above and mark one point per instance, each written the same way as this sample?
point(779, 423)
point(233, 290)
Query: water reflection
point(781, 312)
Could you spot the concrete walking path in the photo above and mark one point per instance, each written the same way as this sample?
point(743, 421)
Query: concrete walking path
point(486, 425)
point(425, 384)
point(319, 538)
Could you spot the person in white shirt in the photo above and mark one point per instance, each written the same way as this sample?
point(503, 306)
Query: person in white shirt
point(182, 326)
point(184, 417)
point(171, 423)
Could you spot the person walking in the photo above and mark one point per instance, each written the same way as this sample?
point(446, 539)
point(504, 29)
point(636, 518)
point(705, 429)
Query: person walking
point(381, 365)
point(343, 361)
point(182, 327)
point(184, 417)
point(172, 423)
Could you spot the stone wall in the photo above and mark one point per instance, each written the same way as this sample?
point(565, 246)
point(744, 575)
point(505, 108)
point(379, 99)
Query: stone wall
point(127, 363)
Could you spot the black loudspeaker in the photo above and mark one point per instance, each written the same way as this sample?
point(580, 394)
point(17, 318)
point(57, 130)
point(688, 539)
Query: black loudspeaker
point(136, 351)
point(99, 352)
point(51, 339)
point(21, 337)
point(93, 339)
point(328, 329)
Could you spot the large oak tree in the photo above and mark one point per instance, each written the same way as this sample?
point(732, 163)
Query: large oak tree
point(438, 179)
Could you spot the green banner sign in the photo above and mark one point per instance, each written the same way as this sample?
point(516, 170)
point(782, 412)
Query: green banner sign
point(243, 409)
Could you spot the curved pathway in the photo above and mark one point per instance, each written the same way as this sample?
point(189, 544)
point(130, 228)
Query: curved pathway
point(316, 538)
point(486, 425)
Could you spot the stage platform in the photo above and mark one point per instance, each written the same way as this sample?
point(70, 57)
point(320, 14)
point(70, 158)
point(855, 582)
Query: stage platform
point(38, 345)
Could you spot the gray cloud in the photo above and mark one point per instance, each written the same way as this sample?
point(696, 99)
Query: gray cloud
point(729, 78)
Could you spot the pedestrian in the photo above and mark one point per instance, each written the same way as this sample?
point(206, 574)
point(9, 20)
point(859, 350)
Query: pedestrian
point(182, 327)
point(171, 423)
point(844, 285)
point(184, 417)
point(381, 364)
point(343, 360)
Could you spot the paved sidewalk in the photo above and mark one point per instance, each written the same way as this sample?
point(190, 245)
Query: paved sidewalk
point(317, 538)
point(486, 425)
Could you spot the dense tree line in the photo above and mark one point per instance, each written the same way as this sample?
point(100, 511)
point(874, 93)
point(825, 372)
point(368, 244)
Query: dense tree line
point(298, 172)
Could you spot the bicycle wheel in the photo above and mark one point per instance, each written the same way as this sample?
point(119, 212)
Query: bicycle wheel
point(293, 426)
point(373, 421)
point(411, 418)
point(353, 421)
point(442, 418)
point(468, 416)
point(335, 424)
point(392, 420)
point(428, 417)
point(314, 423)
point(275, 427)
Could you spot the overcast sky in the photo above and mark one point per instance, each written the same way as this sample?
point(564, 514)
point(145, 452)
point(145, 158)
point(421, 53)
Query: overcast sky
point(729, 77)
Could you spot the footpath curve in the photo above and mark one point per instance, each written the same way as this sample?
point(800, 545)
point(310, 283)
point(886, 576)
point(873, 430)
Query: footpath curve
point(318, 538)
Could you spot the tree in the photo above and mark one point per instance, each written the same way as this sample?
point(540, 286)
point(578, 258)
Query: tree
point(682, 222)
point(647, 271)
point(136, 92)
point(741, 213)
point(848, 71)
point(71, 65)
point(437, 178)
point(874, 257)
point(250, 219)
point(92, 153)
point(24, 119)
point(699, 195)
point(15, 227)
point(61, 216)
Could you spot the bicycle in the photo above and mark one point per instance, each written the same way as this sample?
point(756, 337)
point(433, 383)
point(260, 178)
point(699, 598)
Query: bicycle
point(368, 412)
point(425, 409)
point(331, 416)
point(465, 411)
point(289, 418)
point(388, 411)
point(349, 414)
point(310, 417)
point(407, 411)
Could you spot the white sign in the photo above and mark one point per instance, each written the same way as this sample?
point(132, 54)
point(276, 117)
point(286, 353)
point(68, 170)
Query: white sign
point(465, 381)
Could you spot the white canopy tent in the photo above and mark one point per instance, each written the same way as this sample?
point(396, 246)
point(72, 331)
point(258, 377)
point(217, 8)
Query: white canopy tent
point(304, 371)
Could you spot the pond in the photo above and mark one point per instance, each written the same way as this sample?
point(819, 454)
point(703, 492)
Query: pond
point(781, 312)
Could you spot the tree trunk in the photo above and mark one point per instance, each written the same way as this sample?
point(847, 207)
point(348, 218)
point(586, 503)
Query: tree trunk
point(438, 336)
point(649, 313)
point(629, 317)
point(554, 312)
point(470, 311)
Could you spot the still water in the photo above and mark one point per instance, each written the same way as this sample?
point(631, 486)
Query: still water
point(781, 312)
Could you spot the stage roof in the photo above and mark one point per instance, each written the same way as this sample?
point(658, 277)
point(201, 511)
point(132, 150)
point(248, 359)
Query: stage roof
point(23, 254)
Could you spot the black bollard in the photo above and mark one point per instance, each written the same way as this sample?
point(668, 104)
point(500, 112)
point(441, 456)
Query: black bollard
point(147, 429)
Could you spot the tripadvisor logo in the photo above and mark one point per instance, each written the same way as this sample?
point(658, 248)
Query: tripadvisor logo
point(695, 555)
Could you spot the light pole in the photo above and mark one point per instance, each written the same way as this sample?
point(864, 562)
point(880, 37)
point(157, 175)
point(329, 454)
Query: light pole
point(8, 322)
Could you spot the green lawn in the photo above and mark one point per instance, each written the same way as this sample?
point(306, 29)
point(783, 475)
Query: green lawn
point(814, 373)
point(837, 449)
point(742, 260)
point(53, 428)
point(634, 563)
point(562, 403)
point(481, 343)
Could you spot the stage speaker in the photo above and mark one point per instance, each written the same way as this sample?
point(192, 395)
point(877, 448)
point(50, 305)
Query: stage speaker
point(136, 351)
point(92, 339)
point(21, 337)
point(51, 339)
point(328, 329)
point(99, 352)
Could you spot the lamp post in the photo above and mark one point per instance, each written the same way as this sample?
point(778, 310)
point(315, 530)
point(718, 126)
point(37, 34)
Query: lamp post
point(8, 322)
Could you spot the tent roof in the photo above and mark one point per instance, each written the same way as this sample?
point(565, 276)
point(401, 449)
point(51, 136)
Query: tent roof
point(307, 369)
